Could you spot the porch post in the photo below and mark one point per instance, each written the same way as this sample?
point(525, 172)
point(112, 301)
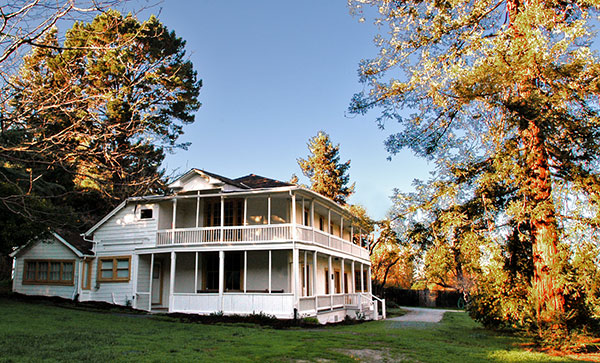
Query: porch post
point(198, 210)
point(222, 216)
point(342, 228)
point(343, 282)
point(269, 209)
point(314, 287)
point(369, 279)
point(296, 268)
point(151, 276)
point(245, 211)
point(196, 275)
point(174, 220)
point(305, 274)
point(329, 282)
point(221, 276)
point(353, 279)
point(329, 227)
point(245, 269)
point(303, 216)
point(294, 232)
point(362, 279)
point(270, 271)
point(352, 233)
point(312, 220)
point(172, 281)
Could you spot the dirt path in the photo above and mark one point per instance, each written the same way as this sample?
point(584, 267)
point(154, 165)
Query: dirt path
point(421, 315)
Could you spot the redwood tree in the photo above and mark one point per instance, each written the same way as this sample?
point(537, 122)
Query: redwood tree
point(507, 86)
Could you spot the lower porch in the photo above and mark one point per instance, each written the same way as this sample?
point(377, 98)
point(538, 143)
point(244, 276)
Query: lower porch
point(286, 283)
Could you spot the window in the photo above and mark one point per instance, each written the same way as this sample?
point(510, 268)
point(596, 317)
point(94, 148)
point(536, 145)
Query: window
point(114, 269)
point(86, 280)
point(212, 212)
point(146, 213)
point(48, 272)
point(234, 212)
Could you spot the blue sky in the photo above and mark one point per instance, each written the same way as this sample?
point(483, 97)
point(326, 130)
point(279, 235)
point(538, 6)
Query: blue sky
point(275, 73)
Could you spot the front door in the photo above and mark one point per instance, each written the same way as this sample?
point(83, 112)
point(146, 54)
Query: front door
point(157, 284)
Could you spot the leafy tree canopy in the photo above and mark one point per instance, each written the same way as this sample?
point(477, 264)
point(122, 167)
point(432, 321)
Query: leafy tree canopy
point(504, 95)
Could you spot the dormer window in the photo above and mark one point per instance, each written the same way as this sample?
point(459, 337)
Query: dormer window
point(146, 213)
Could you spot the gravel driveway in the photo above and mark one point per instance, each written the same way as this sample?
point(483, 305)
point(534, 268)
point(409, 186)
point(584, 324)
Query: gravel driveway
point(421, 315)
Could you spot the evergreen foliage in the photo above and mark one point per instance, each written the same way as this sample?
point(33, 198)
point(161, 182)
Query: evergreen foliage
point(89, 120)
point(328, 176)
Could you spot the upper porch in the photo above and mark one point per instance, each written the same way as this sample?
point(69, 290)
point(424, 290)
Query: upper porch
point(257, 217)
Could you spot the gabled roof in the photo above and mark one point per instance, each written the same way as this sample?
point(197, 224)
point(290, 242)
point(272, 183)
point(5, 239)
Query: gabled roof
point(256, 181)
point(73, 241)
point(185, 178)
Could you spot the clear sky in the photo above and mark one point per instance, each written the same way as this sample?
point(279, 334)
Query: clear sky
point(276, 72)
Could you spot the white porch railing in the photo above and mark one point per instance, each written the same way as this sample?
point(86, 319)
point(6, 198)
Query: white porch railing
point(319, 303)
point(307, 234)
point(279, 305)
point(224, 234)
point(262, 233)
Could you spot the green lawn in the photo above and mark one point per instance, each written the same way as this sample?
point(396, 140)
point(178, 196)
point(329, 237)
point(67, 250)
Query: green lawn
point(32, 331)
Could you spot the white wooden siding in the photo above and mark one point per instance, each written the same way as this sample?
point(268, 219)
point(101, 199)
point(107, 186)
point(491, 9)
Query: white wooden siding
point(46, 250)
point(125, 231)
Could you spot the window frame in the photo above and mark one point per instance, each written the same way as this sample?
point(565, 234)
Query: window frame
point(143, 210)
point(86, 274)
point(114, 277)
point(47, 281)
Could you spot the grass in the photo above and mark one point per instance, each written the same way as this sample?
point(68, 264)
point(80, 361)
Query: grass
point(38, 331)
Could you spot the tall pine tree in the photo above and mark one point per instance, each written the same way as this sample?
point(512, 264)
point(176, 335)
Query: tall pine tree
point(328, 176)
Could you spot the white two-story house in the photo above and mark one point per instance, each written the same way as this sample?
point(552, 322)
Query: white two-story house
point(241, 246)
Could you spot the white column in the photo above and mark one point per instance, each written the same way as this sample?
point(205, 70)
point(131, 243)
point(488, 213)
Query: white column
point(342, 228)
point(172, 281)
point(222, 217)
point(245, 211)
point(330, 282)
point(314, 284)
point(296, 268)
point(221, 276)
point(369, 280)
point(174, 220)
point(312, 219)
point(342, 282)
point(196, 275)
point(329, 227)
point(303, 215)
point(245, 270)
point(353, 279)
point(151, 276)
point(269, 209)
point(352, 233)
point(362, 279)
point(198, 210)
point(294, 232)
point(305, 274)
point(270, 265)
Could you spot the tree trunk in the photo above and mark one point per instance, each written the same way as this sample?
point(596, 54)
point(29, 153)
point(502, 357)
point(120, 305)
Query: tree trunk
point(549, 298)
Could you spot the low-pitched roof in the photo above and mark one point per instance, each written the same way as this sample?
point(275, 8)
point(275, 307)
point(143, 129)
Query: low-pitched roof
point(256, 181)
point(76, 240)
point(71, 240)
